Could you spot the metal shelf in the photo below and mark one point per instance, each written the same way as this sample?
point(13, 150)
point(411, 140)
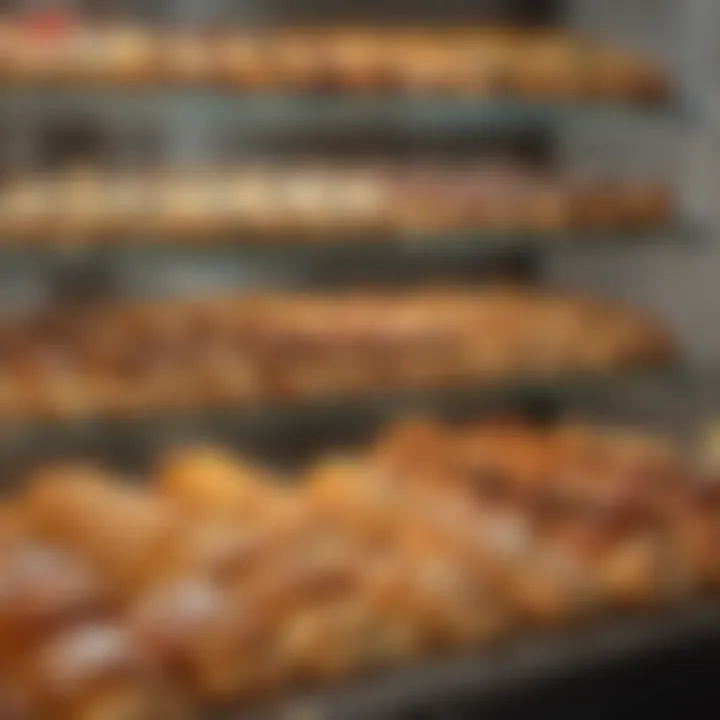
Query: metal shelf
point(287, 432)
point(277, 110)
point(153, 266)
point(340, 244)
point(517, 670)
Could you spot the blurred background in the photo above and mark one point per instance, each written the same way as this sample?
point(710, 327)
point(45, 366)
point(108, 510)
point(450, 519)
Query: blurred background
point(310, 322)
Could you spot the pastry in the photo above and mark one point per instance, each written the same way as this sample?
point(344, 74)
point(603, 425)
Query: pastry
point(357, 60)
point(241, 60)
point(184, 58)
point(550, 67)
point(298, 59)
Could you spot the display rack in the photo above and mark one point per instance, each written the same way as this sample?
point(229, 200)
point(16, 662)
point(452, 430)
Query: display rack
point(85, 272)
point(80, 270)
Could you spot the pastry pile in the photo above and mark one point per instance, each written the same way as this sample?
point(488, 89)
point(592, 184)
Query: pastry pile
point(134, 357)
point(461, 61)
point(335, 203)
point(218, 584)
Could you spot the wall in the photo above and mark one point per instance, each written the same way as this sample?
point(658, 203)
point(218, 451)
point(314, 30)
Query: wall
point(678, 279)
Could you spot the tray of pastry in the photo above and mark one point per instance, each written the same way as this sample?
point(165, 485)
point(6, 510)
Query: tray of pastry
point(330, 204)
point(460, 61)
point(221, 584)
point(127, 358)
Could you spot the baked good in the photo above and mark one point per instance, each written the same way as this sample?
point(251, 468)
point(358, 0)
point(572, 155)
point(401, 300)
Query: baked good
point(357, 60)
point(217, 202)
point(472, 61)
point(547, 66)
point(217, 584)
point(144, 356)
point(240, 60)
point(184, 58)
point(298, 59)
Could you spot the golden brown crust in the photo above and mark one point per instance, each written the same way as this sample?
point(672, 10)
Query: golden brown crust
point(353, 59)
point(135, 357)
point(82, 510)
point(223, 583)
point(273, 202)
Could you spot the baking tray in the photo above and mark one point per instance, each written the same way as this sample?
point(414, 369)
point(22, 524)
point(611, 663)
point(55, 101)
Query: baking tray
point(622, 667)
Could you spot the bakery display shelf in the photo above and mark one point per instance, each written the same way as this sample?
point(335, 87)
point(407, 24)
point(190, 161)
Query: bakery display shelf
point(514, 674)
point(287, 432)
point(302, 243)
point(268, 110)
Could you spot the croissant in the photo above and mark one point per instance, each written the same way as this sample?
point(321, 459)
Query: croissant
point(45, 591)
point(183, 58)
point(27, 210)
point(298, 59)
point(241, 60)
point(357, 61)
point(212, 482)
point(80, 203)
point(550, 66)
point(130, 55)
point(98, 671)
point(115, 54)
point(202, 636)
point(219, 584)
point(85, 512)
